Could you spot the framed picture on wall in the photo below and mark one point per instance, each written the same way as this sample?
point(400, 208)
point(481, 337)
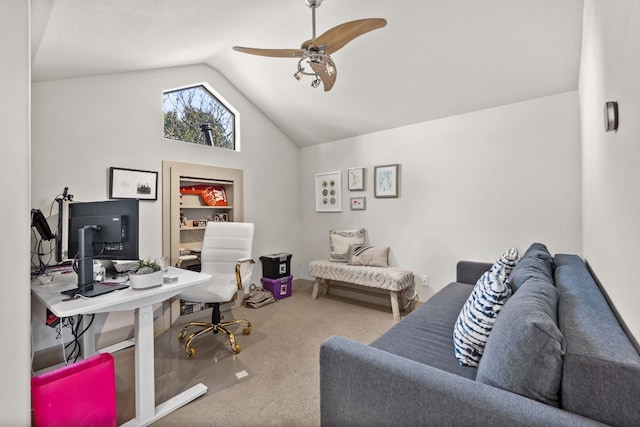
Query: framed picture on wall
point(133, 184)
point(386, 181)
point(328, 192)
point(356, 178)
point(358, 203)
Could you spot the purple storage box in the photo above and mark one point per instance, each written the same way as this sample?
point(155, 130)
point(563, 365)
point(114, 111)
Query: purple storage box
point(281, 288)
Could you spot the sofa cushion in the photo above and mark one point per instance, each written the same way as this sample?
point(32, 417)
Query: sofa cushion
point(425, 334)
point(536, 262)
point(340, 242)
point(601, 376)
point(525, 350)
point(372, 256)
point(477, 316)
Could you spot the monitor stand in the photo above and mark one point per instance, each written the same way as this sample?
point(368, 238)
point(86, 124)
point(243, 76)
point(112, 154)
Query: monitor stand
point(87, 287)
point(95, 289)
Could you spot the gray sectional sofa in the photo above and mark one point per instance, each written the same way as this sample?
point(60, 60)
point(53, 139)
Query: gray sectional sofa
point(578, 369)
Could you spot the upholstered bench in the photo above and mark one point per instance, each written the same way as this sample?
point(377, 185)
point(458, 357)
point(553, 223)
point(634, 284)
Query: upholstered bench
point(393, 279)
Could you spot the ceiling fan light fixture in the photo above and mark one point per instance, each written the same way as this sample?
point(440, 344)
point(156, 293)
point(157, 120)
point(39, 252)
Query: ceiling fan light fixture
point(316, 50)
point(330, 69)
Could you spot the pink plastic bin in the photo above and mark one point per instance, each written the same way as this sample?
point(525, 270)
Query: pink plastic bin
point(82, 394)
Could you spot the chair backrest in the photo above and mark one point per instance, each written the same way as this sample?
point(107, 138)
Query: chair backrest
point(225, 243)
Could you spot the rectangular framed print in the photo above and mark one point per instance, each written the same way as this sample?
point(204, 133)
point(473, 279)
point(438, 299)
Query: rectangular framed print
point(358, 203)
point(133, 184)
point(386, 181)
point(356, 179)
point(328, 192)
point(221, 217)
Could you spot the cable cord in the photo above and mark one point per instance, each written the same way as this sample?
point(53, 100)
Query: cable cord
point(74, 353)
point(60, 330)
point(410, 299)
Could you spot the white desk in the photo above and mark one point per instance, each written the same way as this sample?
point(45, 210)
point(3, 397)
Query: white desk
point(127, 299)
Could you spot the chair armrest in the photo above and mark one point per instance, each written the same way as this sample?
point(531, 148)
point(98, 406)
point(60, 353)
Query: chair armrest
point(362, 386)
point(470, 271)
point(238, 267)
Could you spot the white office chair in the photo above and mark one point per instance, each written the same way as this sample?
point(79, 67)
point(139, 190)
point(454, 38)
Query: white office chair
point(226, 255)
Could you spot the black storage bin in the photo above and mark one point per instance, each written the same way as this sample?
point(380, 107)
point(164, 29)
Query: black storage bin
point(275, 266)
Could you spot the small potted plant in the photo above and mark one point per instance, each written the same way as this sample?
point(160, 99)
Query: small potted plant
point(148, 275)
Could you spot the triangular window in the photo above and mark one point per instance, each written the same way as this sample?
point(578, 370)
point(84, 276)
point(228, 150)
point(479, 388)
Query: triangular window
point(194, 114)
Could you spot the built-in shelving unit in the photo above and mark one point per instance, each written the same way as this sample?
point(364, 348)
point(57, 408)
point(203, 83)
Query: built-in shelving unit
point(181, 237)
point(194, 212)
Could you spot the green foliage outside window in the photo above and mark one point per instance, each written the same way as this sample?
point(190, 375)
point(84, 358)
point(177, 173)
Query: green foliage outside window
point(187, 110)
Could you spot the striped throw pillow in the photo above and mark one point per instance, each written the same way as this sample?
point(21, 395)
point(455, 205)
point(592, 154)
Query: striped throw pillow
point(479, 312)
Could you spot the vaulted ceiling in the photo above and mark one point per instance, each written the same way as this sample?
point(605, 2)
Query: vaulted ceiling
point(433, 59)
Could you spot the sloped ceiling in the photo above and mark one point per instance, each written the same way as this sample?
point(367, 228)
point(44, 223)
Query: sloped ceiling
point(433, 59)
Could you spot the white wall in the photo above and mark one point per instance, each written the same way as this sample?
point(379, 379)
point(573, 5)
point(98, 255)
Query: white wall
point(14, 219)
point(471, 187)
point(611, 178)
point(81, 127)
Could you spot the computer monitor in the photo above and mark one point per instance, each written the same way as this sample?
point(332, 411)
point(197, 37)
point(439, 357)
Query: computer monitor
point(101, 230)
point(117, 235)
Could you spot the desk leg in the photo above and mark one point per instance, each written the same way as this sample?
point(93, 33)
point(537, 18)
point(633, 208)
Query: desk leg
point(89, 336)
point(146, 410)
point(144, 365)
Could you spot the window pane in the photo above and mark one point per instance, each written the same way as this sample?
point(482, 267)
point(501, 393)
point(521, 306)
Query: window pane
point(187, 110)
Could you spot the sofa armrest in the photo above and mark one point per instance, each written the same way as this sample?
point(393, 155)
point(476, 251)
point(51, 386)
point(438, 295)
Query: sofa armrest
point(363, 386)
point(470, 271)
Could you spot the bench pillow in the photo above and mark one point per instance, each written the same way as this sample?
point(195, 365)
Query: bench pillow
point(340, 242)
point(525, 352)
point(372, 256)
point(479, 312)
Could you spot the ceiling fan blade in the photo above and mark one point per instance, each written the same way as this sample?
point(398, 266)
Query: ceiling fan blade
point(278, 53)
point(328, 79)
point(338, 36)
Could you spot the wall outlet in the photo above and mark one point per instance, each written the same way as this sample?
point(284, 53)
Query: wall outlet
point(425, 280)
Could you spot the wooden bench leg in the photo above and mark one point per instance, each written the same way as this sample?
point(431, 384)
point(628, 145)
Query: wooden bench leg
point(316, 287)
point(325, 289)
point(394, 305)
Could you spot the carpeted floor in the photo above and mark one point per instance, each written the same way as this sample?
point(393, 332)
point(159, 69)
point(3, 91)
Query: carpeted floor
point(273, 380)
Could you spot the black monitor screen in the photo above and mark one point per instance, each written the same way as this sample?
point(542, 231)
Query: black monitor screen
point(116, 233)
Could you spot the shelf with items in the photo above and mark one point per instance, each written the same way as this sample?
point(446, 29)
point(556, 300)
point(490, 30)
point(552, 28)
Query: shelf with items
point(205, 192)
point(191, 228)
point(191, 219)
point(215, 208)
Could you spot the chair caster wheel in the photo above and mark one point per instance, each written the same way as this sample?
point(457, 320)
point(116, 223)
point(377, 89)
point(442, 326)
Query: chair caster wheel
point(191, 352)
point(181, 336)
point(235, 348)
point(246, 331)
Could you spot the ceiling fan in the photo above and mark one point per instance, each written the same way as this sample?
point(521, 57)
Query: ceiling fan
point(316, 52)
